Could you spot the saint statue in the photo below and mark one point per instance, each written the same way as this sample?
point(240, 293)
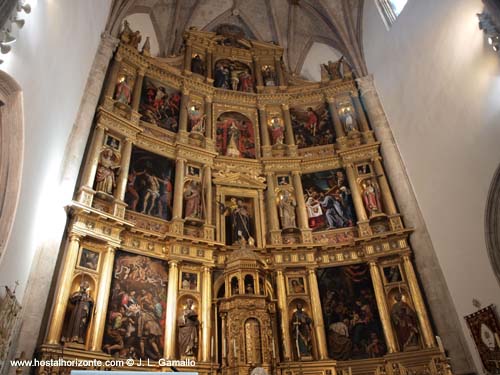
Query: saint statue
point(81, 305)
point(371, 197)
point(188, 330)
point(277, 131)
point(197, 65)
point(240, 220)
point(349, 124)
point(196, 120)
point(302, 332)
point(192, 200)
point(123, 92)
point(245, 81)
point(405, 323)
point(233, 134)
point(269, 77)
point(105, 175)
point(287, 210)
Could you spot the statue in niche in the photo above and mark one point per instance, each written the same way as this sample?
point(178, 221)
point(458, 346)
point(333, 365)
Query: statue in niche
point(197, 65)
point(105, 180)
point(123, 92)
point(332, 69)
point(405, 323)
point(302, 332)
point(129, 37)
point(192, 200)
point(371, 197)
point(240, 221)
point(234, 138)
point(196, 120)
point(80, 312)
point(277, 131)
point(245, 81)
point(235, 80)
point(269, 76)
point(349, 123)
point(287, 210)
point(188, 324)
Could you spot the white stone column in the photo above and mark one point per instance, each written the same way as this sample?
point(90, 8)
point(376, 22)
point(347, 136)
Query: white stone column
point(431, 275)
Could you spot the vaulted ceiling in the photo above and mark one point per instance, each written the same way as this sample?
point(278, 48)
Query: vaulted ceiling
point(294, 24)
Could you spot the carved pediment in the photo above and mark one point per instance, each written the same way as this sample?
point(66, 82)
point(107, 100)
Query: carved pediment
point(232, 177)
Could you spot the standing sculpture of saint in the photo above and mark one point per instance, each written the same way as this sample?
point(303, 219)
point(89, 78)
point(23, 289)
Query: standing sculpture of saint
point(405, 323)
point(240, 220)
point(192, 200)
point(81, 305)
point(233, 134)
point(123, 92)
point(287, 210)
point(371, 197)
point(105, 175)
point(277, 131)
point(302, 332)
point(188, 324)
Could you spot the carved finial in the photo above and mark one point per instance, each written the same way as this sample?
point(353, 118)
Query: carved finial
point(146, 48)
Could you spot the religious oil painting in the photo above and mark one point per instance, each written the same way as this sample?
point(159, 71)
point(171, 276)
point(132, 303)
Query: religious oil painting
point(328, 200)
point(296, 285)
point(485, 330)
point(189, 281)
point(235, 136)
point(160, 105)
point(135, 322)
point(150, 184)
point(89, 259)
point(112, 142)
point(350, 313)
point(233, 75)
point(312, 126)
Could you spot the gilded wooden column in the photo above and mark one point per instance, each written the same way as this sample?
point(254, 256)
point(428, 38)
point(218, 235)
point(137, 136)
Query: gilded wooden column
point(121, 186)
point(207, 181)
point(258, 72)
point(274, 225)
point(208, 117)
point(303, 220)
point(180, 166)
point(183, 116)
point(279, 70)
point(337, 124)
point(206, 320)
point(187, 57)
point(418, 301)
point(361, 115)
point(288, 125)
point(209, 64)
point(171, 313)
point(113, 75)
point(136, 95)
point(93, 159)
point(317, 315)
point(363, 224)
point(390, 206)
point(101, 306)
point(385, 318)
point(63, 290)
point(264, 132)
point(285, 322)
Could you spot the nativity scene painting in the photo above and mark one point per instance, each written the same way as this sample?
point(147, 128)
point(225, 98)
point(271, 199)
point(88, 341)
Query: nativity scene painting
point(235, 136)
point(150, 184)
point(350, 313)
point(160, 105)
point(135, 323)
point(312, 126)
point(328, 200)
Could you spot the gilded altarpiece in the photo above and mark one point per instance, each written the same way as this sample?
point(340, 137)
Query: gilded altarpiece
point(233, 215)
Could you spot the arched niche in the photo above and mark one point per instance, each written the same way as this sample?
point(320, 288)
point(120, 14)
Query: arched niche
point(11, 154)
point(235, 135)
point(249, 284)
point(143, 23)
point(182, 305)
point(318, 53)
point(492, 224)
point(253, 341)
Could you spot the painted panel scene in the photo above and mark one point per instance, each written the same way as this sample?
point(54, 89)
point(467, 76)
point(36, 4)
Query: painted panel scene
point(235, 135)
point(150, 184)
point(233, 75)
point(328, 200)
point(350, 313)
point(312, 126)
point(160, 105)
point(135, 323)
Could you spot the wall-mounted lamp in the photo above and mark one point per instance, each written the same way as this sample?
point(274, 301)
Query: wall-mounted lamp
point(486, 23)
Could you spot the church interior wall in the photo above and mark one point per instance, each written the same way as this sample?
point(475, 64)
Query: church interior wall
point(438, 81)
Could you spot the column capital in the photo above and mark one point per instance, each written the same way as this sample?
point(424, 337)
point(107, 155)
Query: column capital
point(75, 237)
point(185, 91)
point(110, 248)
point(206, 269)
point(366, 84)
point(285, 106)
point(349, 165)
point(376, 158)
point(141, 71)
point(173, 263)
point(261, 107)
point(208, 99)
point(330, 100)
